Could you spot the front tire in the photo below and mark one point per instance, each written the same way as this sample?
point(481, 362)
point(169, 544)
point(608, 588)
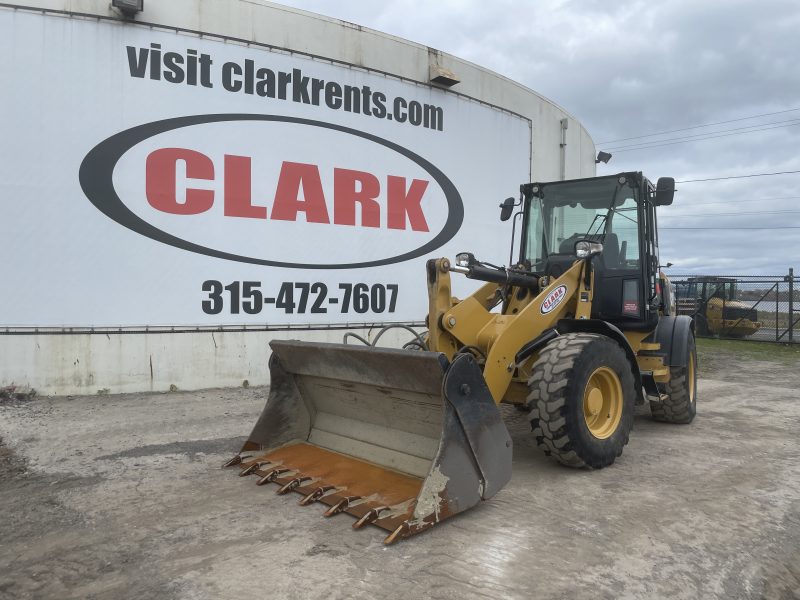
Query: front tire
point(581, 396)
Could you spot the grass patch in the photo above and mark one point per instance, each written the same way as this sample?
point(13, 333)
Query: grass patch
point(714, 354)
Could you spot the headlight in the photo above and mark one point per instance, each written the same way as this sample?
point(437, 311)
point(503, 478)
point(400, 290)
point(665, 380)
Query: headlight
point(585, 249)
point(464, 259)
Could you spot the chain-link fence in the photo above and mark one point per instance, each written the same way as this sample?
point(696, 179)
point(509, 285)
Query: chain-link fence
point(765, 308)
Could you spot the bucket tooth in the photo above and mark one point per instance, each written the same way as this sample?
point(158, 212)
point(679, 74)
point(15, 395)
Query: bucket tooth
point(405, 529)
point(396, 534)
point(253, 467)
point(342, 505)
point(234, 461)
point(370, 516)
point(272, 475)
point(316, 495)
point(288, 487)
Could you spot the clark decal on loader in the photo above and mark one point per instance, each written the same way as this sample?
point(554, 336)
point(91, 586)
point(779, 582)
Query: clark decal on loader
point(577, 330)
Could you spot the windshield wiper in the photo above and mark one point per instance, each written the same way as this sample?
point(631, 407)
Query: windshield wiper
point(603, 219)
point(619, 212)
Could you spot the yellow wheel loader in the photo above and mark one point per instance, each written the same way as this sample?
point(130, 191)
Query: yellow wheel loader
point(713, 303)
point(577, 330)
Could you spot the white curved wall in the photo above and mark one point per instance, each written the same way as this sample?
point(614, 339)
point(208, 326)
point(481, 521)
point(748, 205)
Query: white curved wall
point(88, 362)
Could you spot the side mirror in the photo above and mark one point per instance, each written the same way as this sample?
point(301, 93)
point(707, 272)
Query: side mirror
point(665, 190)
point(506, 208)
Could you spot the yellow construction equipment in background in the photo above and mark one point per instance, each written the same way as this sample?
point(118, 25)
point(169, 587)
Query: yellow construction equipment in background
point(579, 329)
point(714, 304)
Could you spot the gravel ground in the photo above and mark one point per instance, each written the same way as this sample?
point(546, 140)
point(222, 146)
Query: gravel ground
point(122, 497)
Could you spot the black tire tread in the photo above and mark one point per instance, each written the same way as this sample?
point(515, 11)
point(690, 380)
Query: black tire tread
point(678, 408)
point(548, 386)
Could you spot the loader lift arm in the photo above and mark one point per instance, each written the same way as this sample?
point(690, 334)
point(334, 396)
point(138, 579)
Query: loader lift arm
point(469, 323)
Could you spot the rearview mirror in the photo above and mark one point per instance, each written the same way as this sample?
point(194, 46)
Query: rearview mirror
point(665, 190)
point(506, 208)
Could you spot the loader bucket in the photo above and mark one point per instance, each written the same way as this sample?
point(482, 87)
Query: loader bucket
point(396, 438)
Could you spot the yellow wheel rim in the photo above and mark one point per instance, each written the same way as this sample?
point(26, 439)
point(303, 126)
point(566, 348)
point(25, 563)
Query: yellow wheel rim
point(690, 376)
point(602, 402)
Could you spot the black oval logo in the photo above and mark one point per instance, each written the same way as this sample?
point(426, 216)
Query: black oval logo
point(96, 180)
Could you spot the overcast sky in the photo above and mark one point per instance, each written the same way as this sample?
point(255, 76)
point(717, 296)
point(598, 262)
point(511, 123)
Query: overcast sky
point(630, 68)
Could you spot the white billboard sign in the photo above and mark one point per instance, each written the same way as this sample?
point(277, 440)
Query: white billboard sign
point(151, 178)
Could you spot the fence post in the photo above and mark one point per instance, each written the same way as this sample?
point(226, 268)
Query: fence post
point(777, 309)
point(791, 304)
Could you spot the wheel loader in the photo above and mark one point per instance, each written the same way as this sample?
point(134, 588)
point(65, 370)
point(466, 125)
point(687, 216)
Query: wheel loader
point(578, 329)
point(713, 303)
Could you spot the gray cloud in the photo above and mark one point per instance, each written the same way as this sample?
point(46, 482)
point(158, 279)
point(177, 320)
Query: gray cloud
point(632, 67)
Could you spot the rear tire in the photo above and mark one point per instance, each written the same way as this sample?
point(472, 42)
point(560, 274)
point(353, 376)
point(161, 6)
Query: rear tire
point(681, 406)
point(581, 399)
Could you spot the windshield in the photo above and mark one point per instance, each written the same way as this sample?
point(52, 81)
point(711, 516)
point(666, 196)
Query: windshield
point(599, 209)
point(726, 290)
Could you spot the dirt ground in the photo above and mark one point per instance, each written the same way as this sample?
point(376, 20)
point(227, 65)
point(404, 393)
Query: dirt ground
point(122, 497)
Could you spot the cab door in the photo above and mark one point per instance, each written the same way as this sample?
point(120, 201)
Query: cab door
point(621, 294)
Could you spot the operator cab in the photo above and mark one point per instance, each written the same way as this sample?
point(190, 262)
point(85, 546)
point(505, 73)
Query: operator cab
point(706, 288)
point(618, 211)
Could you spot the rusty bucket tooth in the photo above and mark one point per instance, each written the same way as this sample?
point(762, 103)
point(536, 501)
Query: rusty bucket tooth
point(294, 483)
point(370, 516)
point(272, 475)
point(234, 461)
point(407, 529)
point(253, 467)
point(396, 534)
point(316, 495)
point(392, 427)
point(341, 506)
